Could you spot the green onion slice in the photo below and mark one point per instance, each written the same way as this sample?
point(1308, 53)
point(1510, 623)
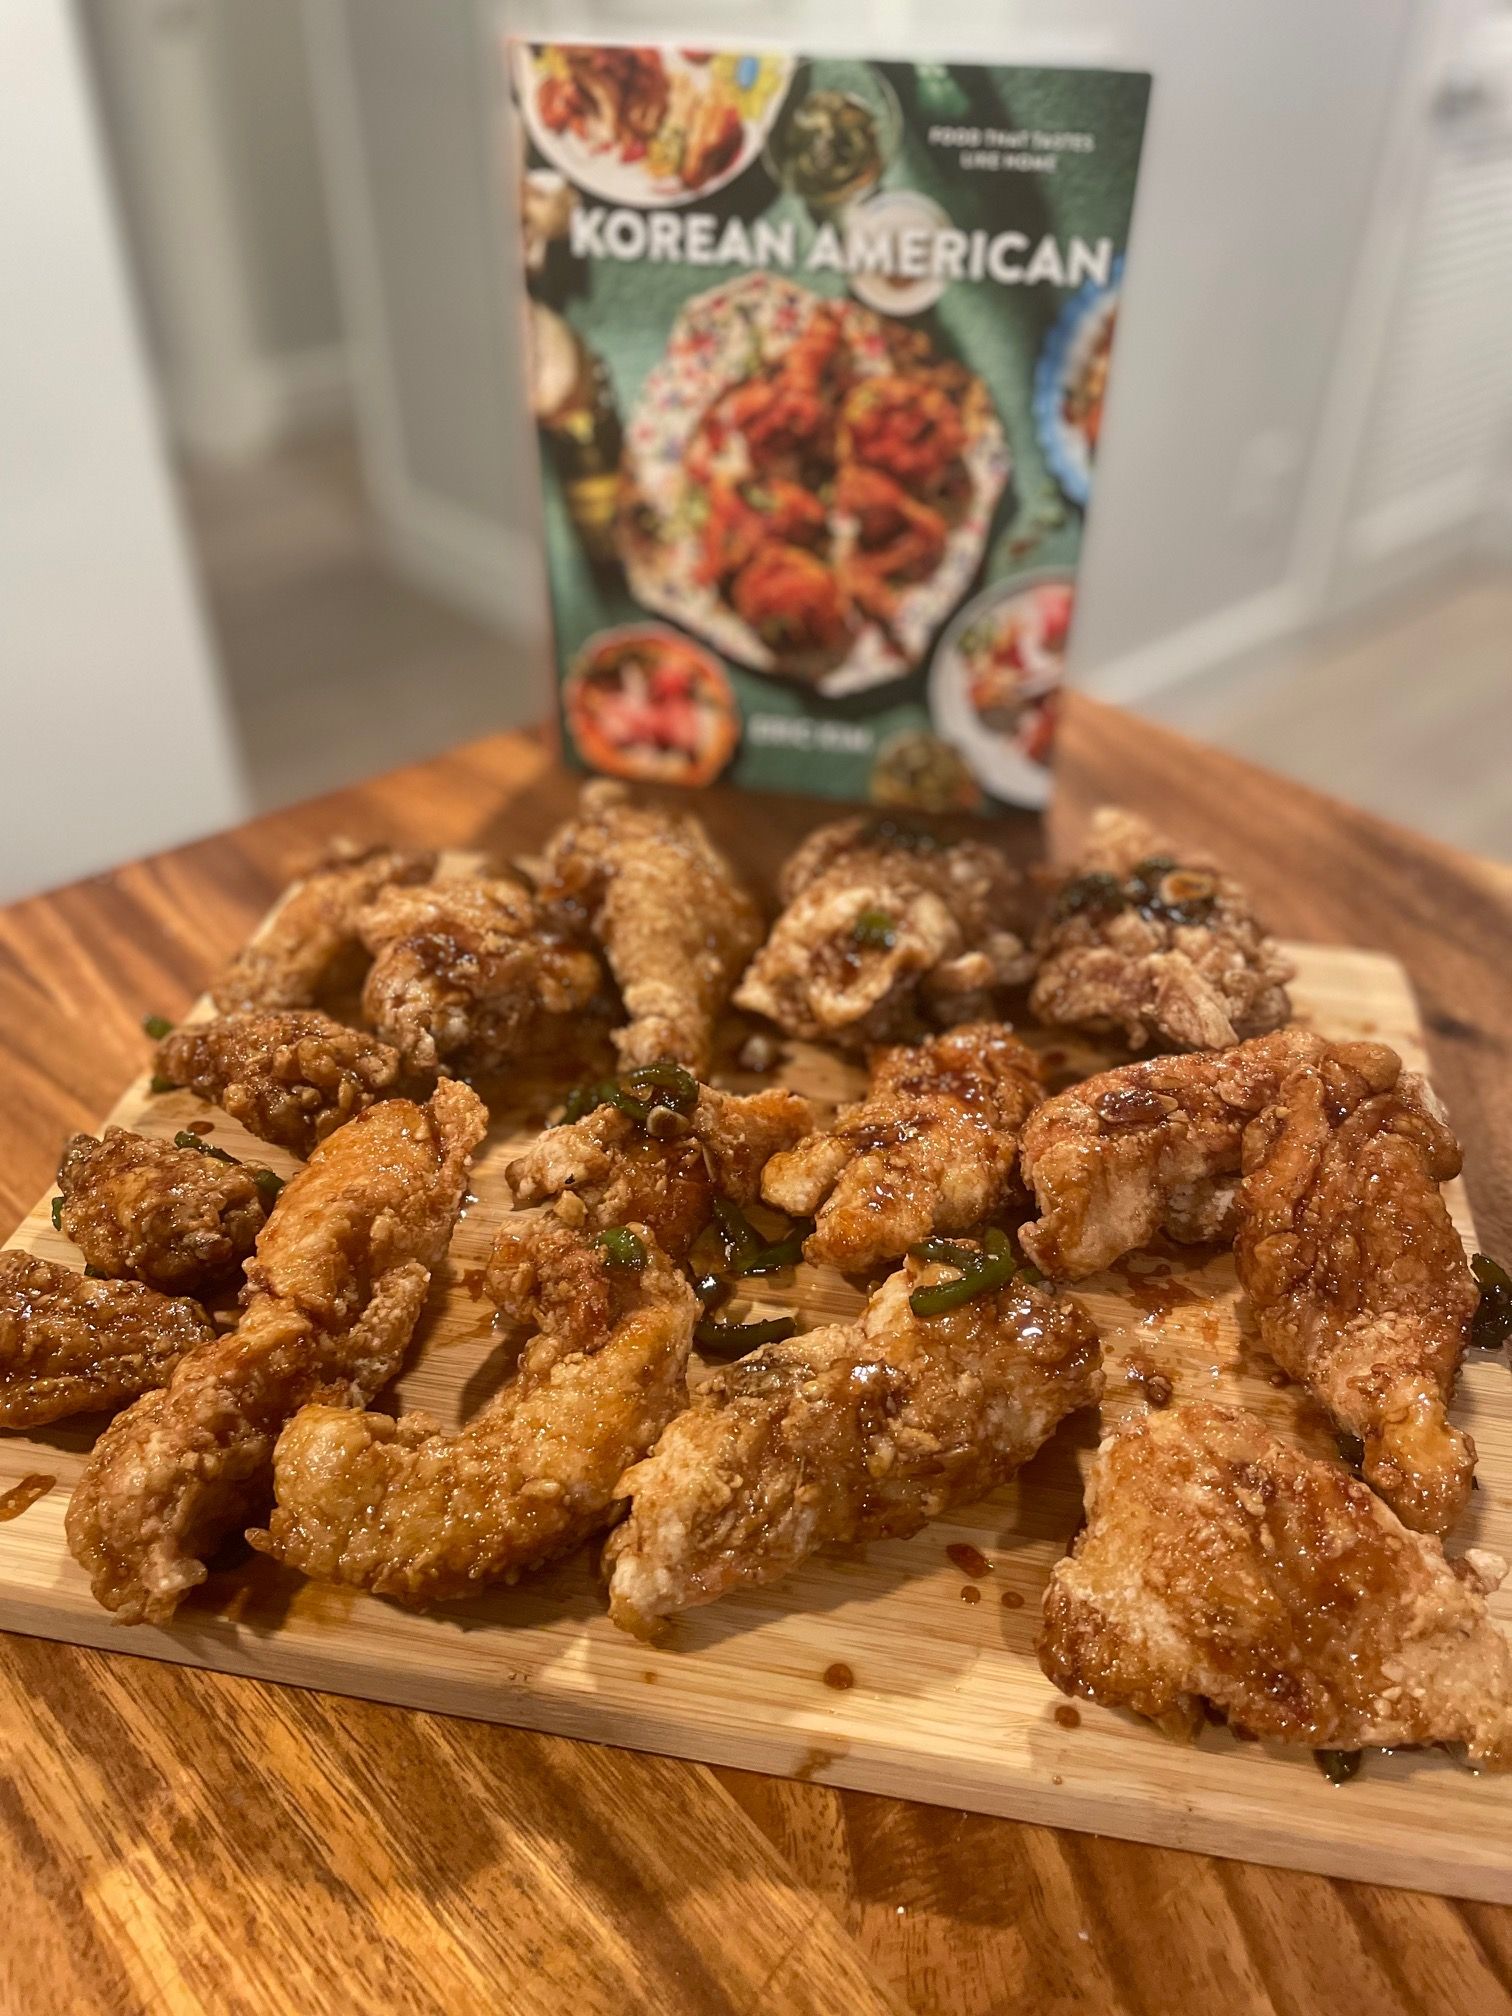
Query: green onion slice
point(621, 1247)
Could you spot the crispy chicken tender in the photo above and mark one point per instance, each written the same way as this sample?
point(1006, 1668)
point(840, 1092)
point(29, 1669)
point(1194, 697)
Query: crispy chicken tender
point(467, 973)
point(1151, 949)
point(933, 1147)
point(858, 1431)
point(311, 944)
point(1356, 1275)
point(1157, 1146)
point(1219, 1564)
point(69, 1345)
point(884, 933)
point(674, 923)
point(405, 1509)
point(333, 1294)
point(289, 1078)
point(141, 1210)
point(621, 1174)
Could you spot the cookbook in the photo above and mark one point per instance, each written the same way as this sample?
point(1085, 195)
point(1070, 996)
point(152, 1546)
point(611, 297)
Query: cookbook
point(819, 352)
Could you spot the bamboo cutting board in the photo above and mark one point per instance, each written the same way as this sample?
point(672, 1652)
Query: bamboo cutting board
point(906, 1667)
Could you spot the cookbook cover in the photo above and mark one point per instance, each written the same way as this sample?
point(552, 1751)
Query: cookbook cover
point(818, 355)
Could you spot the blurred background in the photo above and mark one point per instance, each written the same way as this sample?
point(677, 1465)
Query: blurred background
point(267, 489)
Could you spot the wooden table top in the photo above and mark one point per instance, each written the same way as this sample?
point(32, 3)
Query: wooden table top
point(174, 1840)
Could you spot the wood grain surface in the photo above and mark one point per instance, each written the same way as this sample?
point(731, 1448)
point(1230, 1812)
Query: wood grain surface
point(188, 1841)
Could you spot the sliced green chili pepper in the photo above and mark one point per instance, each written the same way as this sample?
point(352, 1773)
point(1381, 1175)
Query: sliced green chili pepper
point(1338, 1766)
point(1097, 891)
point(735, 1339)
point(784, 1252)
point(1491, 1325)
point(94, 1273)
point(875, 929)
point(666, 1075)
point(57, 1214)
point(184, 1139)
point(158, 1083)
point(710, 1289)
point(741, 1241)
point(947, 1251)
point(157, 1027)
point(268, 1183)
point(988, 1270)
point(621, 1247)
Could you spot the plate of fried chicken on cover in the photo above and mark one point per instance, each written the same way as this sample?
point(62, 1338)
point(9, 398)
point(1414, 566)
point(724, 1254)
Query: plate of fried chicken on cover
point(673, 1407)
point(807, 484)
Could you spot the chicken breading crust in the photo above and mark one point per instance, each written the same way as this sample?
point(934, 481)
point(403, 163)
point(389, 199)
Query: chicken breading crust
point(675, 923)
point(311, 945)
point(1141, 945)
point(289, 1078)
point(1219, 1564)
point(1157, 1146)
point(884, 934)
point(857, 1431)
point(333, 1293)
point(468, 972)
point(69, 1345)
point(933, 1147)
point(406, 1510)
point(143, 1210)
point(1356, 1276)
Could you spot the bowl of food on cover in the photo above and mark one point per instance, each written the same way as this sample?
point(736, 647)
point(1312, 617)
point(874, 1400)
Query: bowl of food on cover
point(916, 771)
point(651, 127)
point(994, 685)
point(807, 484)
point(836, 134)
point(1070, 382)
point(897, 225)
point(644, 703)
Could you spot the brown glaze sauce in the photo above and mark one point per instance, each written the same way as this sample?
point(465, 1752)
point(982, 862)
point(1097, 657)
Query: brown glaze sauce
point(473, 1279)
point(1155, 1295)
point(21, 1497)
point(971, 1593)
point(970, 1560)
point(839, 1676)
point(1141, 1370)
point(1067, 1716)
point(1011, 1600)
point(200, 1127)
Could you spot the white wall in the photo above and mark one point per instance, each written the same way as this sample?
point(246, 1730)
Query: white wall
point(114, 738)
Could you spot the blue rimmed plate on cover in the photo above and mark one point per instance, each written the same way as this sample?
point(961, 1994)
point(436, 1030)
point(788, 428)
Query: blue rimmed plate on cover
point(1070, 379)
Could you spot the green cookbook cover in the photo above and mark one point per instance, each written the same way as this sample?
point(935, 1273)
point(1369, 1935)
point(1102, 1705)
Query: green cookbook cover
point(819, 350)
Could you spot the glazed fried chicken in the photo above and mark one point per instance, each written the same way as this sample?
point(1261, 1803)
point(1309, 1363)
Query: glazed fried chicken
point(288, 1078)
point(858, 1431)
point(468, 973)
point(1218, 1564)
point(69, 1345)
point(311, 945)
point(1152, 949)
point(333, 1293)
point(1156, 1146)
point(405, 1509)
point(933, 1147)
point(884, 933)
point(675, 925)
point(621, 1174)
point(1356, 1276)
point(180, 1219)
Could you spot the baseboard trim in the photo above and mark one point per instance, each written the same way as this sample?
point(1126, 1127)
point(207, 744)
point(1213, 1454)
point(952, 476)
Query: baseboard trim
point(1204, 649)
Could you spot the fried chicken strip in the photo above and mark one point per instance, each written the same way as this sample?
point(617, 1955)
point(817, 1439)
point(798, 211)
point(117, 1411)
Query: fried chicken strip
point(289, 1078)
point(1157, 1146)
point(933, 1147)
point(858, 1431)
point(884, 933)
point(1218, 1564)
point(311, 944)
point(406, 1510)
point(469, 972)
point(675, 924)
point(1142, 945)
point(69, 1345)
point(621, 1174)
point(333, 1294)
point(1356, 1276)
point(142, 1210)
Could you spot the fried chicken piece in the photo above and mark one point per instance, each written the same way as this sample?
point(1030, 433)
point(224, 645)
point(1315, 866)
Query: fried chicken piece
point(407, 1510)
point(1140, 945)
point(333, 1293)
point(883, 933)
point(1218, 1564)
point(858, 1431)
point(622, 1174)
point(310, 946)
point(467, 973)
point(933, 1147)
point(674, 923)
point(288, 1078)
point(69, 1345)
point(1356, 1275)
point(141, 1210)
point(1157, 1146)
